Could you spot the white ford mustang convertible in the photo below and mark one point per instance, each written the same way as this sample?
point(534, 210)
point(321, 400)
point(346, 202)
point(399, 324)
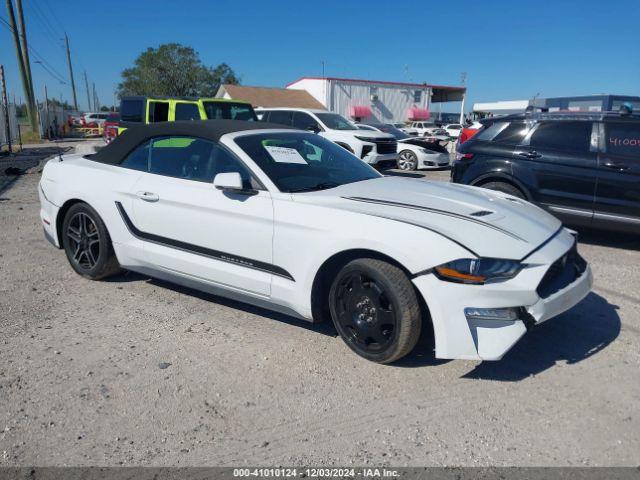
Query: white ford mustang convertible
point(290, 221)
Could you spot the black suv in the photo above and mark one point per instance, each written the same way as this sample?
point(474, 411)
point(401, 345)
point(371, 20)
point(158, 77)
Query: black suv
point(582, 167)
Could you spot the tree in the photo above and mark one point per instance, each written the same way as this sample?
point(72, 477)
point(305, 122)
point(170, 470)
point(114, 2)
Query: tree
point(174, 70)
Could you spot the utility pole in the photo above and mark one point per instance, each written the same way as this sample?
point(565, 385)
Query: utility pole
point(5, 102)
point(15, 105)
point(463, 80)
point(25, 48)
point(73, 83)
point(26, 83)
point(96, 105)
point(45, 124)
point(86, 85)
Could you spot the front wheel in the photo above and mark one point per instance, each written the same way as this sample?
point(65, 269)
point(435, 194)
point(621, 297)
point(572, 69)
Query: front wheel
point(87, 243)
point(407, 160)
point(375, 310)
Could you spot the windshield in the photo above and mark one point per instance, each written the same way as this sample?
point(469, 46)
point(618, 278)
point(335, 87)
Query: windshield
point(304, 162)
point(334, 121)
point(229, 111)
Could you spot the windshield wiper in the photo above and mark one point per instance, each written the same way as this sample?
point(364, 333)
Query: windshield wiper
point(319, 186)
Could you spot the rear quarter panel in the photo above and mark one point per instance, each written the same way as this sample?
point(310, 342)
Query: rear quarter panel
point(96, 184)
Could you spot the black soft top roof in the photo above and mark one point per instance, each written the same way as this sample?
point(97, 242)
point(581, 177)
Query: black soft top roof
point(123, 144)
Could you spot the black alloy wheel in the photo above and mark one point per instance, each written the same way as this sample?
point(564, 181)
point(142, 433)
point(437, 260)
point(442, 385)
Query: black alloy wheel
point(375, 310)
point(365, 314)
point(87, 244)
point(84, 240)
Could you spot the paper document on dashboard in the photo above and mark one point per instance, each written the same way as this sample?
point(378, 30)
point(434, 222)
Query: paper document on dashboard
point(285, 155)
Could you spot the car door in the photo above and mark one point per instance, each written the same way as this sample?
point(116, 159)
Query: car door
point(120, 188)
point(562, 157)
point(618, 190)
point(191, 228)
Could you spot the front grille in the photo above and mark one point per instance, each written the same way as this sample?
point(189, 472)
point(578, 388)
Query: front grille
point(562, 272)
point(386, 146)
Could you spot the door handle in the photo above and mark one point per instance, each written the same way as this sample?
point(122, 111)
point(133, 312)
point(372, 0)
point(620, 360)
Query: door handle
point(148, 196)
point(616, 166)
point(530, 154)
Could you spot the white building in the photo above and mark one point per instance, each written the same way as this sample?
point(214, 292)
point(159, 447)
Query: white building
point(503, 107)
point(370, 100)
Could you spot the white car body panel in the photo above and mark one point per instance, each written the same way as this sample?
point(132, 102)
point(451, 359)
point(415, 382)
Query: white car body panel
point(287, 237)
point(426, 158)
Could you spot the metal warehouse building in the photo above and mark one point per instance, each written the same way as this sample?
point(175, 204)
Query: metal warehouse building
point(585, 103)
point(371, 100)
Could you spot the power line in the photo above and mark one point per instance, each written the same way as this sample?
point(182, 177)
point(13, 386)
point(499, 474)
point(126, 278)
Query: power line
point(52, 70)
point(42, 21)
point(53, 14)
point(37, 7)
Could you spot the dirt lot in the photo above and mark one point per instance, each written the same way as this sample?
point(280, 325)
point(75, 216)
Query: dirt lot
point(138, 372)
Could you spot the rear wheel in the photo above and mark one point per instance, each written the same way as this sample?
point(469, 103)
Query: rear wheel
point(375, 310)
point(504, 188)
point(87, 243)
point(407, 160)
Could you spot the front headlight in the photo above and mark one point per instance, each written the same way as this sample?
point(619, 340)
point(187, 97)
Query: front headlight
point(478, 271)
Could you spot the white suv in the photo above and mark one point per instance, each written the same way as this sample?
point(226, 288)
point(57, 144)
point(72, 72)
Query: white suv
point(374, 148)
point(425, 128)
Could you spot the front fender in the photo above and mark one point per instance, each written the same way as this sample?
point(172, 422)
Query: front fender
point(306, 236)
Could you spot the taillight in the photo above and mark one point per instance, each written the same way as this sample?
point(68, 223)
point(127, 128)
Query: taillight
point(463, 156)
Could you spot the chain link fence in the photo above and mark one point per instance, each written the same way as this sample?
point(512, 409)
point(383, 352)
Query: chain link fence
point(52, 118)
point(9, 135)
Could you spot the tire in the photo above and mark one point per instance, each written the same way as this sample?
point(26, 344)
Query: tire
point(407, 160)
point(504, 188)
point(375, 310)
point(87, 244)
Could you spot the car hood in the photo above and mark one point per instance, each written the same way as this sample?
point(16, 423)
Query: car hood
point(487, 223)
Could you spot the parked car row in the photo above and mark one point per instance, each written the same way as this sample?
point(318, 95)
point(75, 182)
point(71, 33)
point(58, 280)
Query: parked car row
point(380, 145)
point(413, 152)
point(89, 119)
point(431, 129)
point(375, 148)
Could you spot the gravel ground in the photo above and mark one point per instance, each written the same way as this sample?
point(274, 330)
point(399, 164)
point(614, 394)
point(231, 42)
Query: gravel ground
point(134, 371)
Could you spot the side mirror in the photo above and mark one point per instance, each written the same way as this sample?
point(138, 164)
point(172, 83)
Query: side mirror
point(313, 128)
point(228, 181)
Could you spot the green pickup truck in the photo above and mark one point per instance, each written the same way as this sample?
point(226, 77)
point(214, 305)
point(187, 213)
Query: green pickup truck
point(140, 110)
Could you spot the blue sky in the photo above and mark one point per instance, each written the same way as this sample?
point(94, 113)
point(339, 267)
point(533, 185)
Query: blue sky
point(509, 49)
